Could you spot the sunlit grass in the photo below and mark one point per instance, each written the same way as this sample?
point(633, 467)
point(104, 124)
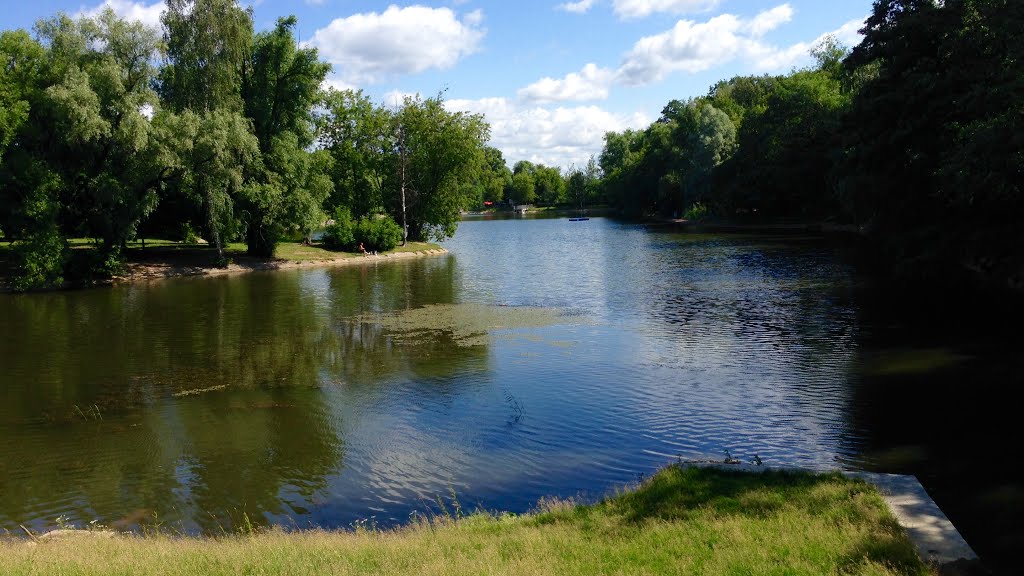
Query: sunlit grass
point(290, 251)
point(681, 521)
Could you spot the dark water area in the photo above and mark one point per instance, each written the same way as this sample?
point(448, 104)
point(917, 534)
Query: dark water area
point(539, 358)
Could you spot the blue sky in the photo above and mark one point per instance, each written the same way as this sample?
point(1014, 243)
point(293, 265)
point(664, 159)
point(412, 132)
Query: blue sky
point(550, 76)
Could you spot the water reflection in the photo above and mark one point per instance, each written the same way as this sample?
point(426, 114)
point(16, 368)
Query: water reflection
point(202, 403)
point(322, 396)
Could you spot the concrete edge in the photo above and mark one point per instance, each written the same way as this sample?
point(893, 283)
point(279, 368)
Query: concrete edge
point(937, 541)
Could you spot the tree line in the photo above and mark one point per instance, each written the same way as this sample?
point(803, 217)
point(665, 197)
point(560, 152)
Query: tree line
point(114, 131)
point(915, 137)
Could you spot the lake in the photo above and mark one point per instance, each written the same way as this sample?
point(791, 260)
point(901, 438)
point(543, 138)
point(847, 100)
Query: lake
point(540, 357)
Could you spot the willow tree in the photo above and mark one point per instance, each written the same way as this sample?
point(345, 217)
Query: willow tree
point(207, 48)
point(81, 159)
point(280, 85)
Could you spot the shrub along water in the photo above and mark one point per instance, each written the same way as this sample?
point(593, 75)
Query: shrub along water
point(378, 233)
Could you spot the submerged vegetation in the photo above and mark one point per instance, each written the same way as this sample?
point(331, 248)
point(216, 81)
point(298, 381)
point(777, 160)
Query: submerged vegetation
point(468, 324)
point(680, 521)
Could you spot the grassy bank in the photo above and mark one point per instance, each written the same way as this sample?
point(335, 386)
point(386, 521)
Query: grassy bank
point(156, 258)
point(681, 521)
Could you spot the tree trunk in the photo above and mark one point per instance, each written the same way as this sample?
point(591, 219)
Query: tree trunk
point(401, 168)
point(211, 222)
point(258, 242)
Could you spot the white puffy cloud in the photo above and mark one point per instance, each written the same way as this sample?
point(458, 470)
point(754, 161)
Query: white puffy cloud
point(560, 136)
point(689, 46)
point(372, 46)
point(770, 19)
point(580, 7)
point(148, 14)
point(590, 83)
point(642, 8)
point(335, 84)
point(849, 34)
point(697, 46)
point(770, 58)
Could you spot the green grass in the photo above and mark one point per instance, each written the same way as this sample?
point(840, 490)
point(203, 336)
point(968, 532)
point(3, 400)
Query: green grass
point(681, 521)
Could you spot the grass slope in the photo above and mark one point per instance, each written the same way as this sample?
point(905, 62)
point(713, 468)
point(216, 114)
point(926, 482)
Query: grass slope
point(681, 521)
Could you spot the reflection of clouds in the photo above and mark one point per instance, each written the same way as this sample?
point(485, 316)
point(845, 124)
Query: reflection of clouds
point(746, 341)
point(674, 344)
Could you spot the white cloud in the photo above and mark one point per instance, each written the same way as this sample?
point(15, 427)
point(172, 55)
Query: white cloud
point(339, 85)
point(770, 19)
point(580, 7)
point(395, 98)
point(642, 8)
point(590, 83)
point(148, 14)
point(372, 46)
point(689, 46)
point(697, 46)
point(769, 58)
point(474, 18)
point(561, 136)
point(849, 34)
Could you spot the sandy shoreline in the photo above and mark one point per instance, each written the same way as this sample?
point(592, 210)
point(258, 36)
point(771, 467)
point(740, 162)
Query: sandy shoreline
point(152, 271)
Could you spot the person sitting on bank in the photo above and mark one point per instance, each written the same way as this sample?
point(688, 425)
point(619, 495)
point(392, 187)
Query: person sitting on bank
point(363, 249)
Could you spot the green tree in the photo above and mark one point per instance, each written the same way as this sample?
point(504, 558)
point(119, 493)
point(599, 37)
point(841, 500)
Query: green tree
point(360, 139)
point(279, 86)
point(495, 175)
point(208, 46)
point(576, 187)
point(524, 186)
point(21, 60)
point(619, 161)
point(102, 76)
point(86, 160)
point(550, 186)
point(704, 138)
point(932, 159)
point(443, 151)
point(211, 154)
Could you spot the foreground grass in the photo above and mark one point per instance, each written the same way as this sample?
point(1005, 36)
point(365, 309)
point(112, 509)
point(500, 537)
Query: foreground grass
point(681, 521)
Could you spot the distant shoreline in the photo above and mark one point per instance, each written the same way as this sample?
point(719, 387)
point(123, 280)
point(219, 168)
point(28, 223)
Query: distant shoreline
point(151, 271)
point(163, 260)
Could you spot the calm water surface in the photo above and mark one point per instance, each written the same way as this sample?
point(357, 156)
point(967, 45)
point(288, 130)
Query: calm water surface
point(287, 397)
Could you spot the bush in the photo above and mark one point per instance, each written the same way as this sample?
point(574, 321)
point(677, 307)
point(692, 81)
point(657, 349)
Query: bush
point(189, 234)
point(340, 235)
point(697, 211)
point(41, 259)
point(378, 234)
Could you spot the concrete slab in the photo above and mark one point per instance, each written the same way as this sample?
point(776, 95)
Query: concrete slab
point(935, 537)
point(938, 542)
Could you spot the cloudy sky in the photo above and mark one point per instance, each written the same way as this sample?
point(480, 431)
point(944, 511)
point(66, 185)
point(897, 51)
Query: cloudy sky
point(551, 76)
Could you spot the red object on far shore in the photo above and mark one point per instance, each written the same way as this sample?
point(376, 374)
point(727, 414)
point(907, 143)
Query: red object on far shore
point(488, 203)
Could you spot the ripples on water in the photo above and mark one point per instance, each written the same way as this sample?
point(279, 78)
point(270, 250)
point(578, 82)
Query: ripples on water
point(665, 346)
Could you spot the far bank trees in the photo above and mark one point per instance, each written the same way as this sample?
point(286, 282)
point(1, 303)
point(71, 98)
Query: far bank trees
point(110, 130)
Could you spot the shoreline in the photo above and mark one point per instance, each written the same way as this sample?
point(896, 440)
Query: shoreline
point(154, 271)
point(682, 519)
point(163, 262)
